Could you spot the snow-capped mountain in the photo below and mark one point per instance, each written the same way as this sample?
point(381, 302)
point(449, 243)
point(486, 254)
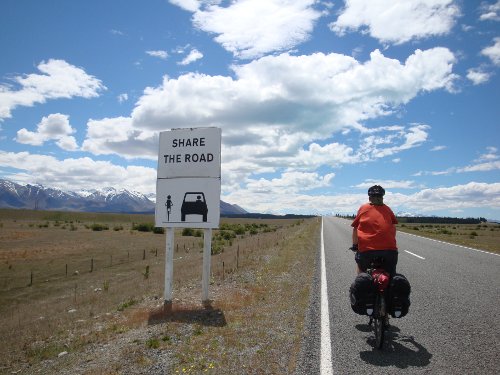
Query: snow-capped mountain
point(13, 195)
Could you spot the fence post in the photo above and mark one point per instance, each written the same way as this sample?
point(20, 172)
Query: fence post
point(31, 278)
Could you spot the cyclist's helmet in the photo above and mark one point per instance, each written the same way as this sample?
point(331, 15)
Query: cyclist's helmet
point(376, 191)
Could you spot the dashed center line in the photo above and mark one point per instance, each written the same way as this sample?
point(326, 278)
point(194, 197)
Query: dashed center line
point(418, 256)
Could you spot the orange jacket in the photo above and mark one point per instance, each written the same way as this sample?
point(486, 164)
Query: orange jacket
point(375, 227)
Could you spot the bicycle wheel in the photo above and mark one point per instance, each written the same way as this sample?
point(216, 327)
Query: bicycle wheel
point(379, 321)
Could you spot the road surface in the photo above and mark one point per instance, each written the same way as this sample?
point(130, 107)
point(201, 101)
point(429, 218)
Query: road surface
point(452, 327)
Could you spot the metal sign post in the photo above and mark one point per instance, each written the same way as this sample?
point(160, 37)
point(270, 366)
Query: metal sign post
point(188, 191)
point(207, 252)
point(169, 265)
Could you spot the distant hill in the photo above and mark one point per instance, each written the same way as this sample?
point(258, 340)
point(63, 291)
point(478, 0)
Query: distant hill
point(38, 197)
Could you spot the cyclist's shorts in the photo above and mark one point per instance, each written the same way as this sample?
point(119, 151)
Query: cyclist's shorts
point(364, 259)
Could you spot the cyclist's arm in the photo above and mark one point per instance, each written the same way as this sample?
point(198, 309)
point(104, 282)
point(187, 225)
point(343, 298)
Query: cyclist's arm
point(354, 236)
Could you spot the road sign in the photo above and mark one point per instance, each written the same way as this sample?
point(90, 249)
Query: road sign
point(189, 153)
point(188, 202)
point(188, 184)
point(188, 191)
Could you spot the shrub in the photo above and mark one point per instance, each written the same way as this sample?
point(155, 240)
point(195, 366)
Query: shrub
point(217, 248)
point(188, 232)
point(239, 230)
point(116, 228)
point(143, 227)
point(99, 227)
point(124, 305)
point(158, 230)
point(153, 343)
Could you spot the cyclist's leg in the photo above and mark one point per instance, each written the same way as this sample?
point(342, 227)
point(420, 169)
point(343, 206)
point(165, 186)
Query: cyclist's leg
point(391, 260)
point(363, 260)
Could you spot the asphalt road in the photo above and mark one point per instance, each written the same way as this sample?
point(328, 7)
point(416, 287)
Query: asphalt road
point(452, 327)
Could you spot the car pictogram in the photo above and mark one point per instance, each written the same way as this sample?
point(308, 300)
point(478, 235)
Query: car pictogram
point(194, 203)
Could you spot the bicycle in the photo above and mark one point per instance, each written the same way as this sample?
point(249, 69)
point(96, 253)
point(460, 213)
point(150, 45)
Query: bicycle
point(380, 316)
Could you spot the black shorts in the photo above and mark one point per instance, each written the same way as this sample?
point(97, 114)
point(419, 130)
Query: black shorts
point(390, 257)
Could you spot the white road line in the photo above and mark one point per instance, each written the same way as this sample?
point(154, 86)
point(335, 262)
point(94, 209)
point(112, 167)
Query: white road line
point(451, 244)
point(418, 256)
point(326, 345)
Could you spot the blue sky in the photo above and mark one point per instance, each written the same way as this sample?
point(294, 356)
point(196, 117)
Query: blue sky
point(317, 100)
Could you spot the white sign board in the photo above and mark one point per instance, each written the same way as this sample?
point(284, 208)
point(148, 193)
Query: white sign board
point(188, 184)
point(189, 153)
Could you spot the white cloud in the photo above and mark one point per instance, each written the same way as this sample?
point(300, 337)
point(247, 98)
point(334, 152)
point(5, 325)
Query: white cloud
point(490, 12)
point(276, 109)
point(189, 5)
point(493, 52)
point(470, 195)
point(253, 28)
point(158, 53)
point(122, 97)
point(439, 148)
point(387, 184)
point(314, 92)
point(58, 80)
point(289, 182)
point(193, 55)
point(486, 162)
point(117, 136)
point(478, 76)
point(77, 174)
point(53, 127)
point(397, 21)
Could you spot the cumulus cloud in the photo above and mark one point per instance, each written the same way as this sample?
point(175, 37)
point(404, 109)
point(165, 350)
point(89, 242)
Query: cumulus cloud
point(279, 113)
point(470, 195)
point(117, 136)
point(253, 28)
point(387, 184)
point(493, 52)
point(397, 21)
point(193, 55)
point(317, 92)
point(78, 173)
point(489, 161)
point(478, 76)
point(158, 53)
point(59, 79)
point(490, 12)
point(122, 97)
point(53, 127)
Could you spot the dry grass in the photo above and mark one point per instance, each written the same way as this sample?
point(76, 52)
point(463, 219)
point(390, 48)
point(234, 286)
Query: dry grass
point(484, 236)
point(253, 323)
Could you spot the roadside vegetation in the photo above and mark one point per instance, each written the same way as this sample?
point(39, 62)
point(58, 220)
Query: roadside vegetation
point(83, 293)
point(482, 236)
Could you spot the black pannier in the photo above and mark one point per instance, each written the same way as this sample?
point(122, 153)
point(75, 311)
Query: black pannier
point(399, 296)
point(362, 294)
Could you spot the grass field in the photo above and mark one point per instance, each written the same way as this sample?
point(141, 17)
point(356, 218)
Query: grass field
point(82, 293)
point(484, 236)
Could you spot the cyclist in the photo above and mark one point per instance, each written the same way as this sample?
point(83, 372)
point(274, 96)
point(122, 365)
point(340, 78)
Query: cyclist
point(374, 232)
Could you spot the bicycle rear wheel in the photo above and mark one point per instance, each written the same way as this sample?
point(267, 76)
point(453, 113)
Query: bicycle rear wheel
point(379, 321)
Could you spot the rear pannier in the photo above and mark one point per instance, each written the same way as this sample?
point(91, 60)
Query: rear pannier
point(362, 294)
point(399, 296)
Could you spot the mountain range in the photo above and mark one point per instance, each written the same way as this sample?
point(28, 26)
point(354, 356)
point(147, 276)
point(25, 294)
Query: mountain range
point(38, 197)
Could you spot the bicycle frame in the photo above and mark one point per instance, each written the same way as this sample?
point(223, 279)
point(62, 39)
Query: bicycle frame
point(380, 315)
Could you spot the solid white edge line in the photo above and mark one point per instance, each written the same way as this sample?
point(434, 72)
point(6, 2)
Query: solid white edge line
point(326, 344)
point(418, 256)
